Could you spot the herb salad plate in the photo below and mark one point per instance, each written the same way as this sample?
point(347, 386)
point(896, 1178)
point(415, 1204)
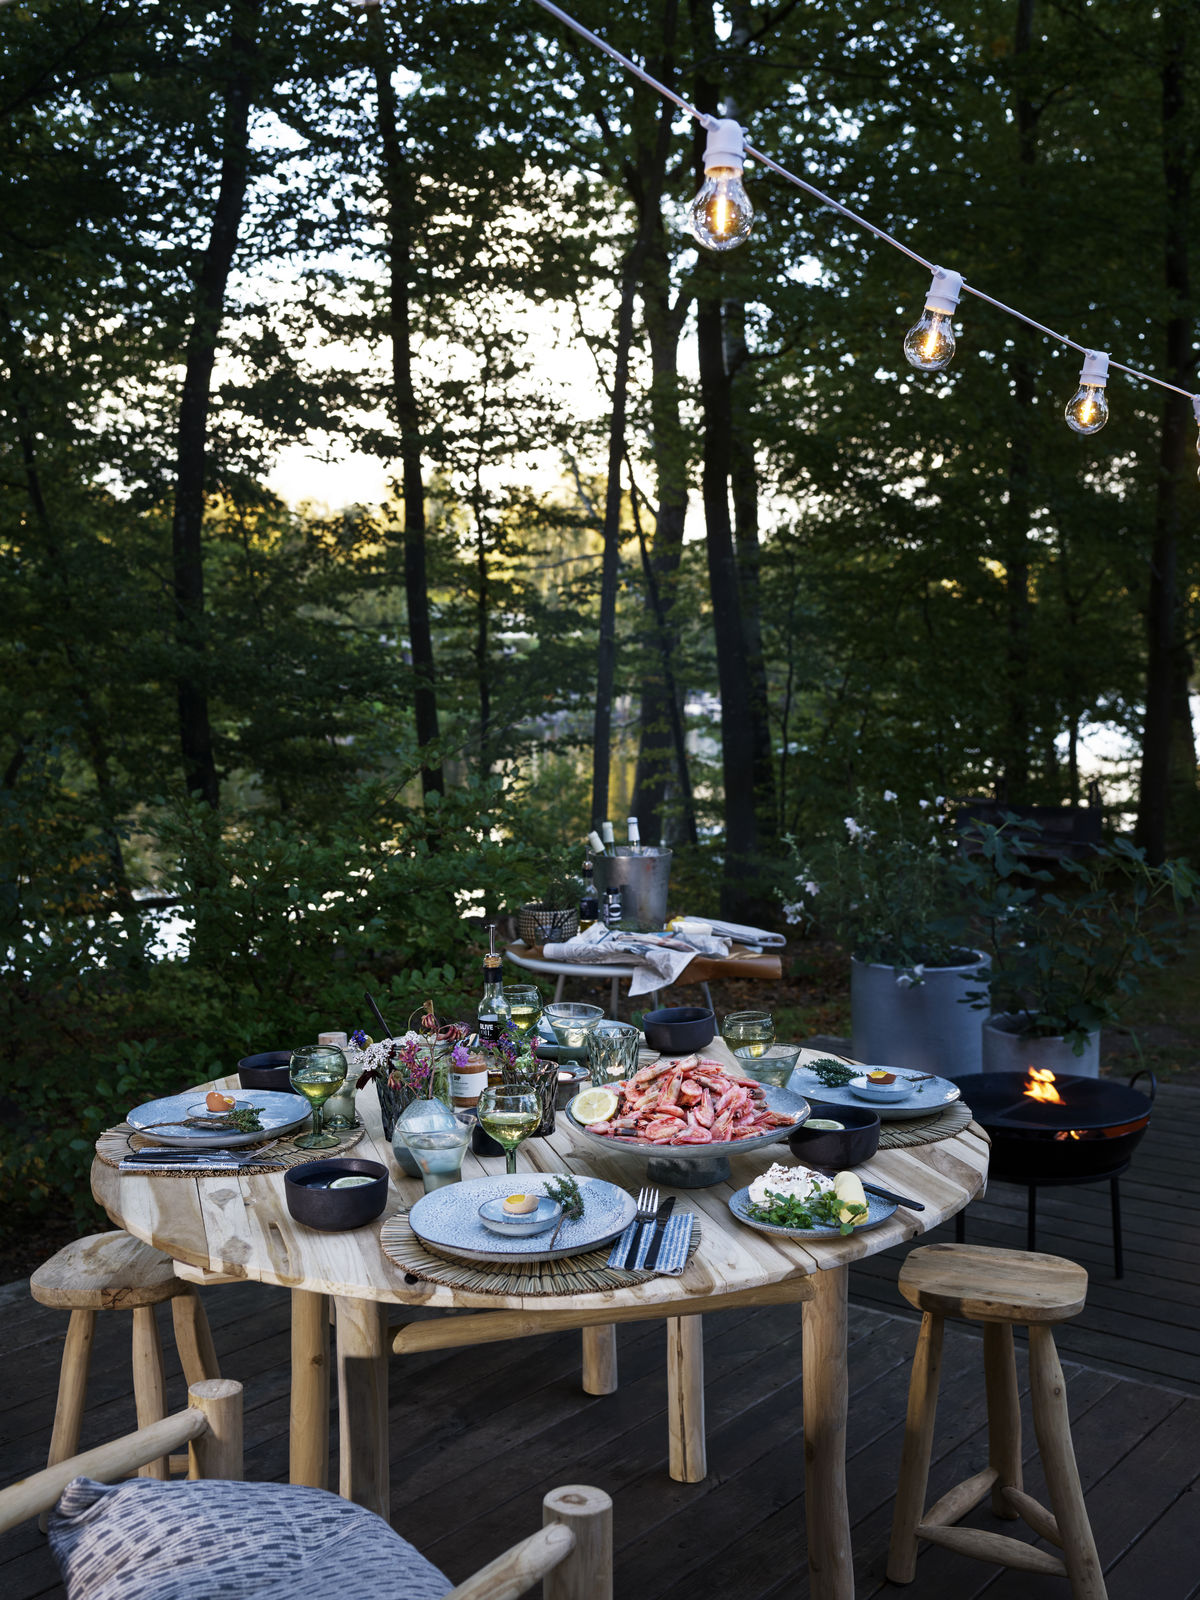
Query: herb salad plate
point(448, 1219)
point(166, 1121)
point(877, 1211)
point(926, 1099)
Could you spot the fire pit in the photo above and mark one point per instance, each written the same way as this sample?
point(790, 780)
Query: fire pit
point(1047, 1130)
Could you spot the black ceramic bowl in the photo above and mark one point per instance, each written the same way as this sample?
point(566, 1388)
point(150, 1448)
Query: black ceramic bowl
point(857, 1141)
point(312, 1202)
point(266, 1071)
point(677, 1030)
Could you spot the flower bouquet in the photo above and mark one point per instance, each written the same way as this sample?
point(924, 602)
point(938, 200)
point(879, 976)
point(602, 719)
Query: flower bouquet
point(413, 1067)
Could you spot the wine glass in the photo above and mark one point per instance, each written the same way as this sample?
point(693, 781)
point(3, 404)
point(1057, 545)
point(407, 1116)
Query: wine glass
point(316, 1071)
point(748, 1032)
point(510, 1116)
point(524, 1008)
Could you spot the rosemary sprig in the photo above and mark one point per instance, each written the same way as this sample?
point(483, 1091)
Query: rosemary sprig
point(567, 1192)
point(833, 1074)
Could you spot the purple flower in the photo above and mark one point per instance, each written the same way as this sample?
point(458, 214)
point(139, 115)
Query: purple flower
point(459, 1056)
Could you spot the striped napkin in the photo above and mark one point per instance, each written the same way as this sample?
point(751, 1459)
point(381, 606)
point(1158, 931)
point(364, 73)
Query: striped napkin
point(672, 1252)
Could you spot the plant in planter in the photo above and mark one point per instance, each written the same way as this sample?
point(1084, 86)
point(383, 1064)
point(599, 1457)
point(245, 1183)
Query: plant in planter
point(556, 911)
point(1069, 945)
point(889, 889)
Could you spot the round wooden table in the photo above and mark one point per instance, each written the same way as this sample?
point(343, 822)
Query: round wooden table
point(240, 1227)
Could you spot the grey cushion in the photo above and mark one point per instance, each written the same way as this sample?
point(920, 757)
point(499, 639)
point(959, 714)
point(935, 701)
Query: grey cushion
point(216, 1540)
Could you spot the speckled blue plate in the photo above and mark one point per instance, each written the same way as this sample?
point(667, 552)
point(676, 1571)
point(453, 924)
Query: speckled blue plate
point(519, 1224)
point(448, 1218)
point(279, 1113)
point(877, 1211)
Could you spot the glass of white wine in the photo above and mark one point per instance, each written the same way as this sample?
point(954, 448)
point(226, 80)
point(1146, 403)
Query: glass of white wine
point(510, 1116)
point(748, 1033)
point(524, 1008)
point(317, 1071)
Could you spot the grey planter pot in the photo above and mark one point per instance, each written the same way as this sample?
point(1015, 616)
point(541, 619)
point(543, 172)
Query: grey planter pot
point(924, 1026)
point(1006, 1049)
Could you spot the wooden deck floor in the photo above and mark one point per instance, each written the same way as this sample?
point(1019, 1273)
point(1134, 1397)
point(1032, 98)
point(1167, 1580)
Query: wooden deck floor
point(478, 1436)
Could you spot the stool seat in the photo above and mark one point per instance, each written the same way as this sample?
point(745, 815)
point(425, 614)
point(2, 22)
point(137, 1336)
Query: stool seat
point(986, 1285)
point(105, 1272)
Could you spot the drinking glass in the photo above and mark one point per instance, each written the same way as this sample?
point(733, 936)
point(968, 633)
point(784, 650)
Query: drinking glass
point(751, 1031)
point(774, 1065)
point(510, 1117)
point(439, 1151)
point(524, 1008)
point(612, 1052)
point(316, 1070)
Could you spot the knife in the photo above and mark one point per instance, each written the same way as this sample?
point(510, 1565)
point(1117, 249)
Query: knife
point(660, 1228)
point(886, 1194)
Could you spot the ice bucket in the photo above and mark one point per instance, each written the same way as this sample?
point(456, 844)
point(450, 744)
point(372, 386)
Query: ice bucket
point(643, 880)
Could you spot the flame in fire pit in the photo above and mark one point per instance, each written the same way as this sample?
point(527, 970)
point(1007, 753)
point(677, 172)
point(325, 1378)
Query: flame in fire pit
point(1040, 1086)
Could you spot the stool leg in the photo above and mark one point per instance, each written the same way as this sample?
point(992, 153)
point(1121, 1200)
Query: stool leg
point(1031, 1221)
point(688, 1448)
point(1118, 1242)
point(193, 1338)
point(960, 1226)
point(1003, 1412)
point(600, 1359)
point(309, 1448)
point(918, 1447)
point(1052, 1422)
point(72, 1392)
point(149, 1381)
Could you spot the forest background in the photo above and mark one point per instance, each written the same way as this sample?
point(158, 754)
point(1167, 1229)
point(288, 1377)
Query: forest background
point(667, 532)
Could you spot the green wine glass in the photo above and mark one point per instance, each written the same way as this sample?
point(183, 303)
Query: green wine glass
point(510, 1116)
point(748, 1033)
point(317, 1071)
point(524, 1008)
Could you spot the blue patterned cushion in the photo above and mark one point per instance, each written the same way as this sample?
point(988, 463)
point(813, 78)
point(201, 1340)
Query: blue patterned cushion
point(217, 1540)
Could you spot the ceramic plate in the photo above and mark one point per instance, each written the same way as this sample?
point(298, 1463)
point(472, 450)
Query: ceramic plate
point(519, 1224)
point(877, 1211)
point(449, 1218)
point(163, 1120)
point(924, 1101)
point(777, 1100)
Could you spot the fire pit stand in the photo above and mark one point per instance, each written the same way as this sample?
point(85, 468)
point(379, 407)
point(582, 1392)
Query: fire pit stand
point(1057, 1130)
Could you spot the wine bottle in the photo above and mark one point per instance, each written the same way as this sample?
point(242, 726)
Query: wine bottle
point(613, 910)
point(595, 843)
point(635, 837)
point(492, 1013)
point(589, 904)
point(606, 831)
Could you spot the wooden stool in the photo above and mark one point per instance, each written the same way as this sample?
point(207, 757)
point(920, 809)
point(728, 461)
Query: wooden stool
point(115, 1272)
point(997, 1288)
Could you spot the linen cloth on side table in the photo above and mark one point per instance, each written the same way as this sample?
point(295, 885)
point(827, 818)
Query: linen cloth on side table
point(217, 1540)
point(657, 960)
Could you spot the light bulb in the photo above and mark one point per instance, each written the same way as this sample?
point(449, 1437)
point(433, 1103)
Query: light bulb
point(1087, 409)
point(929, 344)
point(721, 214)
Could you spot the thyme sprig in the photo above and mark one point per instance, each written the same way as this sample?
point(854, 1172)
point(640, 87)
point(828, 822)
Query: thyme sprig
point(567, 1192)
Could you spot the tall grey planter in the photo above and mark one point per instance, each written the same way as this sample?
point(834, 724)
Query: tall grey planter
point(922, 1026)
point(1005, 1049)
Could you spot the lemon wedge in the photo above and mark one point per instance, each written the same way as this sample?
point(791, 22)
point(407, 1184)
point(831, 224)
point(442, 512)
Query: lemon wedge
point(594, 1105)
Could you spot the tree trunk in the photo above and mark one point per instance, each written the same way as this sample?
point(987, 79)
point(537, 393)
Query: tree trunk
point(1167, 800)
point(191, 684)
point(396, 183)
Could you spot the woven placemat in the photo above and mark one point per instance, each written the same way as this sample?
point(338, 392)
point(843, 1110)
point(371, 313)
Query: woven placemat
point(926, 1130)
point(582, 1274)
point(115, 1144)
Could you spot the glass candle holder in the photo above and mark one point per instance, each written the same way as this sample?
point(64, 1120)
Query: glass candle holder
point(774, 1065)
point(571, 1022)
point(612, 1052)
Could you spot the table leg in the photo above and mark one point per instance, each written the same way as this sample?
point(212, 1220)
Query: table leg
point(362, 1403)
point(600, 1359)
point(309, 1453)
point(688, 1446)
point(558, 987)
point(830, 1556)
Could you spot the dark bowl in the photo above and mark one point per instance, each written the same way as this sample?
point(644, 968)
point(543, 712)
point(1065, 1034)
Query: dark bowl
point(824, 1147)
point(266, 1071)
point(678, 1030)
point(313, 1203)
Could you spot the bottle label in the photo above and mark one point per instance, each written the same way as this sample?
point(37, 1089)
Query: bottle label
point(489, 1029)
point(467, 1086)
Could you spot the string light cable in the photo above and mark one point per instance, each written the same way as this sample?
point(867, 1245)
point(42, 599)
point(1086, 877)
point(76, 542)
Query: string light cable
point(721, 216)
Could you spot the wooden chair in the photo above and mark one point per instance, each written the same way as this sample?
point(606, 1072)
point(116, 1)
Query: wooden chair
point(115, 1272)
point(996, 1288)
point(571, 1552)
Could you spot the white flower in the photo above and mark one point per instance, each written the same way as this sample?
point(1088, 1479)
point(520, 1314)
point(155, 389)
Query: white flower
point(939, 800)
point(794, 912)
point(810, 888)
point(924, 804)
point(889, 794)
point(854, 829)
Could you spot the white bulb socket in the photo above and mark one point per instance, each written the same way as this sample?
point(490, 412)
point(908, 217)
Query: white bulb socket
point(1095, 368)
point(726, 146)
point(944, 291)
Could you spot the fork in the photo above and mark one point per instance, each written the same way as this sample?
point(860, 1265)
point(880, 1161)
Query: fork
point(647, 1205)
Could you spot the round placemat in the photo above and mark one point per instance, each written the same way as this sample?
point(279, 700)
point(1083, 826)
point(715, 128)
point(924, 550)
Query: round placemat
point(925, 1130)
point(583, 1274)
point(115, 1144)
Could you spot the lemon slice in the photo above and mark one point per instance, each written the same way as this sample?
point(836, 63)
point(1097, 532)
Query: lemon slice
point(594, 1105)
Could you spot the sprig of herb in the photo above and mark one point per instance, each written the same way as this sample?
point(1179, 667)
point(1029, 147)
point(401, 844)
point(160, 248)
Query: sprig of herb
point(567, 1192)
point(815, 1210)
point(833, 1074)
point(245, 1119)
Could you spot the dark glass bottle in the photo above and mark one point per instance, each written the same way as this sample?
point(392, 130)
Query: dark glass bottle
point(589, 902)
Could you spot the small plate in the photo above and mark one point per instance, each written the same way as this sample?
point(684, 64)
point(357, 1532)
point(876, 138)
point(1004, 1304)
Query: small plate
point(882, 1093)
point(164, 1121)
point(925, 1100)
point(522, 1225)
point(877, 1211)
point(448, 1218)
